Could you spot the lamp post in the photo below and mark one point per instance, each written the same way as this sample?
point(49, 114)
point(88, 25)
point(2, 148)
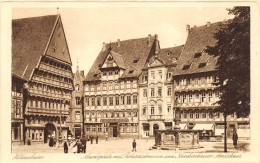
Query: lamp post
point(60, 136)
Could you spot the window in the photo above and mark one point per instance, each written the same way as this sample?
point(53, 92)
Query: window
point(152, 109)
point(169, 108)
point(168, 53)
point(191, 114)
point(40, 104)
point(87, 101)
point(92, 89)
point(197, 97)
point(169, 91)
point(116, 72)
point(104, 86)
point(110, 73)
point(111, 101)
point(217, 95)
point(134, 99)
point(144, 92)
point(128, 100)
point(160, 109)
point(98, 101)
point(152, 75)
point(144, 110)
point(77, 100)
point(104, 73)
point(123, 100)
point(190, 97)
point(135, 61)
point(93, 101)
point(110, 86)
point(160, 74)
point(116, 85)
point(203, 97)
point(93, 128)
point(86, 88)
point(196, 81)
point(144, 78)
point(184, 114)
point(98, 87)
point(197, 114)
point(210, 114)
point(77, 87)
point(184, 98)
point(122, 85)
point(131, 71)
point(128, 84)
point(160, 91)
point(203, 114)
point(152, 92)
point(31, 103)
point(77, 115)
point(117, 100)
point(18, 107)
point(210, 96)
point(99, 128)
point(104, 101)
point(134, 84)
point(169, 75)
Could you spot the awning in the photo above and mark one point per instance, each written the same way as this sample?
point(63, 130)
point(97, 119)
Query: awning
point(183, 126)
point(208, 126)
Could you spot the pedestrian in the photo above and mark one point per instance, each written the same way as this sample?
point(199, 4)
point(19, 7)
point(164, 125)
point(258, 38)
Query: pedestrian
point(147, 138)
point(51, 142)
point(79, 145)
point(235, 137)
point(91, 139)
point(65, 146)
point(134, 145)
point(96, 139)
point(106, 137)
point(84, 143)
point(54, 142)
point(74, 146)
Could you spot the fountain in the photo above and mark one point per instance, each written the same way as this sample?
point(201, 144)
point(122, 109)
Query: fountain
point(176, 138)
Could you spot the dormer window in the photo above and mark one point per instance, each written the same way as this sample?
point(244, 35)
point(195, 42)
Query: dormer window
point(185, 67)
point(174, 60)
point(135, 61)
point(110, 57)
point(131, 71)
point(202, 65)
point(197, 55)
point(168, 53)
point(95, 75)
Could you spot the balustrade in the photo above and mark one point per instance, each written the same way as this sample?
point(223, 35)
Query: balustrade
point(56, 70)
point(52, 81)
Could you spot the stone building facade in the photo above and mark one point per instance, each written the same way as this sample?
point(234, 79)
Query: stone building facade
point(17, 109)
point(40, 54)
point(75, 120)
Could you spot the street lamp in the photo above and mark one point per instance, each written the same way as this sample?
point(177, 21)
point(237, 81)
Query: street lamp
point(60, 136)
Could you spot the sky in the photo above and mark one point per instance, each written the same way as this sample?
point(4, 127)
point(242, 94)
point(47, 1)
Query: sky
point(86, 28)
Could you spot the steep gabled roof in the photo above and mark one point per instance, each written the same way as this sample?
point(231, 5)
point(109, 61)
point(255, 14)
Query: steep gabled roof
point(193, 52)
point(125, 53)
point(29, 40)
point(174, 52)
point(18, 77)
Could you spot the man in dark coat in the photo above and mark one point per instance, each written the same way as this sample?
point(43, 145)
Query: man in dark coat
point(91, 139)
point(235, 137)
point(51, 142)
point(84, 143)
point(134, 145)
point(65, 146)
point(96, 139)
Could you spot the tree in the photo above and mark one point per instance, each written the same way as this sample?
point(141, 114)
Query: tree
point(233, 52)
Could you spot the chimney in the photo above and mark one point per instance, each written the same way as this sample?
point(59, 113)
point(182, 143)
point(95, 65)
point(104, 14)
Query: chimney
point(208, 24)
point(104, 46)
point(156, 37)
point(118, 42)
point(81, 73)
point(149, 39)
point(188, 29)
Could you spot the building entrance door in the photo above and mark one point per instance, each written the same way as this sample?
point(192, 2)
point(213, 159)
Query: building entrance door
point(114, 131)
point(231, 130)
point(49, 131)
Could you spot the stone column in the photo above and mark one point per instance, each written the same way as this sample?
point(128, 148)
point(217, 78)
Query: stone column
point(177, 118)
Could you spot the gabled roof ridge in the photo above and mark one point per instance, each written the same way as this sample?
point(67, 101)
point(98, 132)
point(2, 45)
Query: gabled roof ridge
point(35, 17)
point(129, 40)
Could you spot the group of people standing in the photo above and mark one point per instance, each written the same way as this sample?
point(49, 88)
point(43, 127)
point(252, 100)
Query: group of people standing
point(79, 145)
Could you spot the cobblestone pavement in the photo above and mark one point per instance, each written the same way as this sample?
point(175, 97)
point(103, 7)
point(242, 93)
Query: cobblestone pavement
point(125, 145)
